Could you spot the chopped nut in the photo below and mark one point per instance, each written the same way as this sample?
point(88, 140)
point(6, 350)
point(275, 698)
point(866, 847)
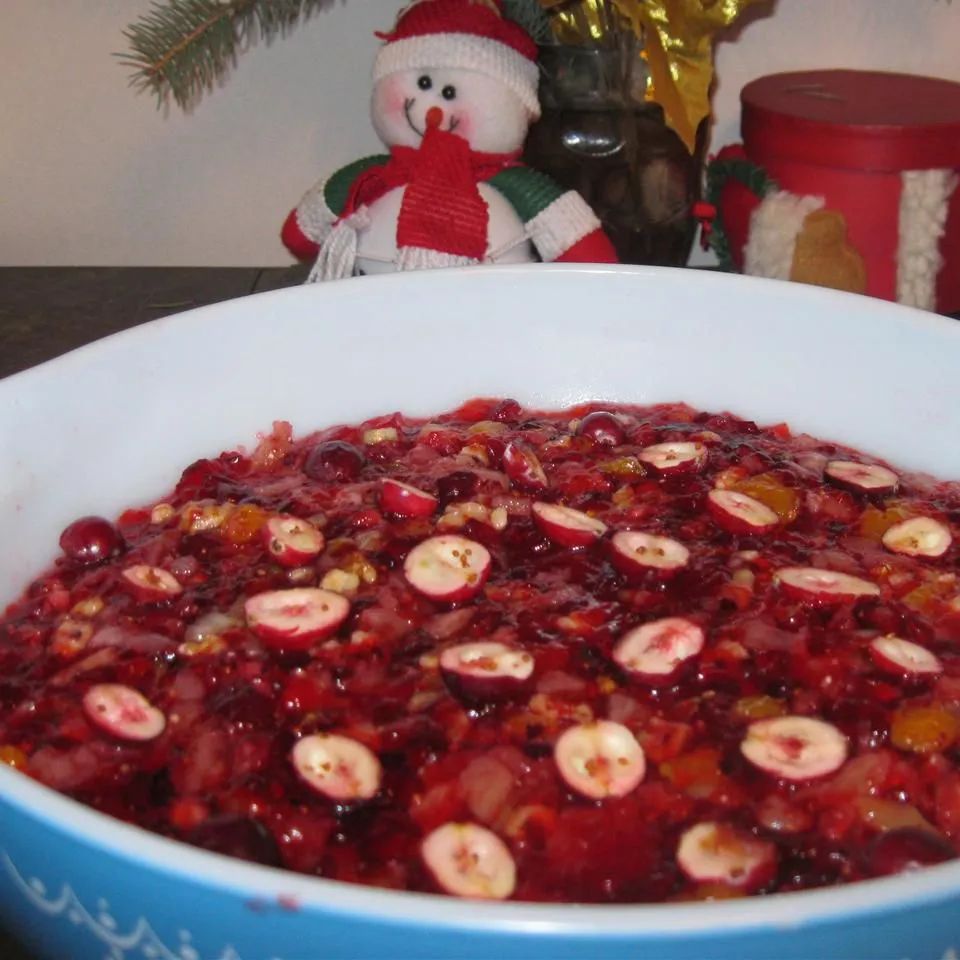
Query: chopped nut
point(381, 435)
point(200, 517)
point(211, 644)
point(492, 428)
point(301, 575)
point(499, 518)
point(161, 513)
point(457, 514)
point(423, 700)
point(88, 608)
point(429, 661)
point(732, 649)
point(623, 496)
point(340, 581)
point(71, 636)
point(623, 467)
point(477, 452)
point(370, 540)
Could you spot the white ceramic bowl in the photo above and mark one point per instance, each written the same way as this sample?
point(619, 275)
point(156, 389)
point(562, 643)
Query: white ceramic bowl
point(113, 424)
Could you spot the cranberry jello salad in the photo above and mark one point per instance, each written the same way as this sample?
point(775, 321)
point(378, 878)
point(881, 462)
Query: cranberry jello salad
point(618, 654)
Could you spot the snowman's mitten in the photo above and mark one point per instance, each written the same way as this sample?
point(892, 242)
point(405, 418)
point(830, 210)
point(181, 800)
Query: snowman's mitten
point(310, 222)
point(560, 223)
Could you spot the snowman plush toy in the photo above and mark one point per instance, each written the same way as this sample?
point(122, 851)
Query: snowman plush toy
point(455, 90)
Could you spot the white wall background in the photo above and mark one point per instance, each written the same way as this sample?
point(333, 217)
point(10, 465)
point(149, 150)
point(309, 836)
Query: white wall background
point(92, 174)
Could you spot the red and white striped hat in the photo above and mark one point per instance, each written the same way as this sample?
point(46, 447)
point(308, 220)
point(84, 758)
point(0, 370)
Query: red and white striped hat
point(467, 35)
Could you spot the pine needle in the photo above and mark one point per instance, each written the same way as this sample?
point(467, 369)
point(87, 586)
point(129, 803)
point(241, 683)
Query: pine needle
point(183, 48)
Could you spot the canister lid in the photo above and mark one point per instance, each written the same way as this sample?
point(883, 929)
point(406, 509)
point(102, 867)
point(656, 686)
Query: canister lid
point(863, 120)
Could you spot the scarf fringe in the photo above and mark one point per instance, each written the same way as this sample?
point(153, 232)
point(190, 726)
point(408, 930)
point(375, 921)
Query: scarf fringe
point(338, 255)
point(421, 258)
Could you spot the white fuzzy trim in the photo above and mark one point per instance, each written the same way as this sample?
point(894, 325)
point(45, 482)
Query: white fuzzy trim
point(338, 253)
point(557, 227)
point(464, 51)
point(924, 197)
point(314, 217)
point(421, 258)
point(774, 227)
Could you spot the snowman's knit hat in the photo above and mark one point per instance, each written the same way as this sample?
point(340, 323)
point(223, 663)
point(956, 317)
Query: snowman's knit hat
point(467, 35)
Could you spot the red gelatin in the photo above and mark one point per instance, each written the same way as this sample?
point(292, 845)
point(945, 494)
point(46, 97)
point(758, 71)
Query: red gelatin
point(650, 654)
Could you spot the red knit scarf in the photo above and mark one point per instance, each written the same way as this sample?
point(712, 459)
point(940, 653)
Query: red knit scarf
point(442, 208)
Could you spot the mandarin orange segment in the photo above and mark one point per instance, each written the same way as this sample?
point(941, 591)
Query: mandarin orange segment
point(929, 729)
point(781, 499)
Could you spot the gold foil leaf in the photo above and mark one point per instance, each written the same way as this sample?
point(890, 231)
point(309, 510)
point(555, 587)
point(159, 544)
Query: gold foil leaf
point(678, 38)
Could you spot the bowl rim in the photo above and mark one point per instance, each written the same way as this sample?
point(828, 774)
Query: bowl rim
point(782, 912)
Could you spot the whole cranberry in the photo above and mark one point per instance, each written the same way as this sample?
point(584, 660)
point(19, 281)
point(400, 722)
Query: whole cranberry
point(456, 486)
point(602, 427)
point(90, 540)
point(906, 848)
point(507, 411)
point(334, 461)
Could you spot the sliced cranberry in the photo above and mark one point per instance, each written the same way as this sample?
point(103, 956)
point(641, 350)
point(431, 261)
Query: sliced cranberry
point(675, 457)
point(602, 427)
point(633, 551)
point(523, 467)
point(470, 861)
point(737, 513)
point(90, 540)
point(814, 585)
point(334, 461)
point(600, 759)
point(896, 655)
point(486, 670)
point(918, 537)
point(340, 768)
point(566, 526)
point(795, 748)
point(906, 848)
point(861, 477)
point(151, 584)
point(717, 853)
point(655, 651)
point(123, 712)
point(295, 619)
point(404, 500)
point(448, 568)
point(292, 541)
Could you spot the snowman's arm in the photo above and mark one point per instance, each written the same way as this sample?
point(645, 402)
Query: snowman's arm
point(308, 224)
point(559, 222)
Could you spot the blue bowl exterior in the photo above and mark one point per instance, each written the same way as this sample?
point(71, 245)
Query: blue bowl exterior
point(68, 898)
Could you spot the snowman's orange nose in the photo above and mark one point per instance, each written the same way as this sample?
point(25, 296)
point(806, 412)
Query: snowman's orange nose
point(434, 118)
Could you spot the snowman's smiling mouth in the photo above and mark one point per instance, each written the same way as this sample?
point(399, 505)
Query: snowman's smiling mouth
point(408, 106)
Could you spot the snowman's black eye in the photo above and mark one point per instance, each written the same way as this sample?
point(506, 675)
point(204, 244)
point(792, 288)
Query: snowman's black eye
point(424, 83)
point(448, 92)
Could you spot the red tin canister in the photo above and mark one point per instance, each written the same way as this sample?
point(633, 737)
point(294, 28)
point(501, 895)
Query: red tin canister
point(856, 138)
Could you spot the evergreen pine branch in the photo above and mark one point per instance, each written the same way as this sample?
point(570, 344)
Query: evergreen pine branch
point(182, 48)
